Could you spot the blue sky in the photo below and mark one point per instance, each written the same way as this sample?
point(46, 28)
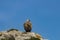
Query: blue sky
point(44, 15)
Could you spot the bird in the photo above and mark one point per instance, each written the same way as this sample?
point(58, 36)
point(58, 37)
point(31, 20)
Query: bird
point(28, 25)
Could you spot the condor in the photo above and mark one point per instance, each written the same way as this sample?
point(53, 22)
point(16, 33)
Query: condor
point(28, 26)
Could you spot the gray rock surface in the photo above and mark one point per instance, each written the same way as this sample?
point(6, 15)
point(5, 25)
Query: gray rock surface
point(18, 35)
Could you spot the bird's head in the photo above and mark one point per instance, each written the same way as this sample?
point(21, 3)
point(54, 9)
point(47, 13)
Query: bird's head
point(28, 20)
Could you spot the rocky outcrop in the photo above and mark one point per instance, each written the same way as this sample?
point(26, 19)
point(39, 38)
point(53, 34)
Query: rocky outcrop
point(14, 34)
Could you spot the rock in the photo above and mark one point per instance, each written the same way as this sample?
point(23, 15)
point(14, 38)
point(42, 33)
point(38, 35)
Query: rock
point(12, 30)
point(18, 35)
